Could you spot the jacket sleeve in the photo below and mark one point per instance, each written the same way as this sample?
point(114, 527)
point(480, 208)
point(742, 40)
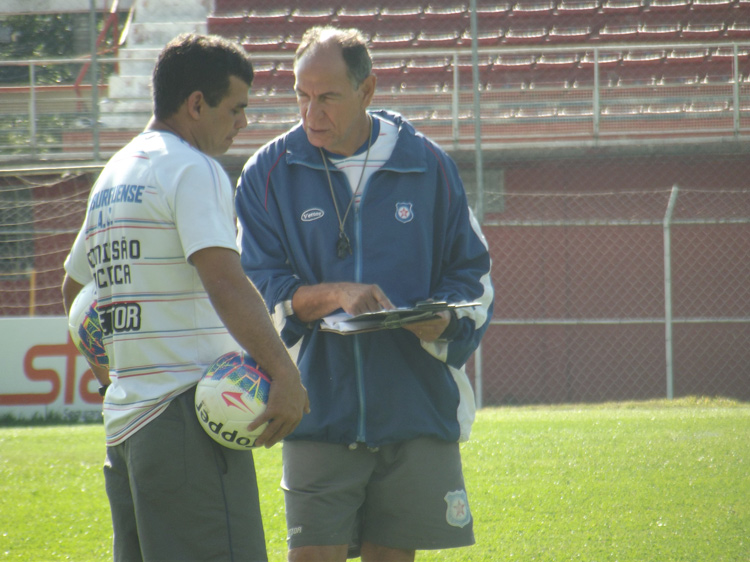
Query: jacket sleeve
point(263, 254)
point(464, 273)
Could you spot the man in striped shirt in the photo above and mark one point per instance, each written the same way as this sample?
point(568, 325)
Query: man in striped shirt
point(159, 240)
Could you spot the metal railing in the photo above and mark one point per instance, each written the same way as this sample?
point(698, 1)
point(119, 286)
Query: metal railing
point(540, 108)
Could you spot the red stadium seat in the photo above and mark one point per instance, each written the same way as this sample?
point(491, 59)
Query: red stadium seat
point(284, 74)
point(707, 108)
point(285, 67)
point(703, 31)
point(262, 70)
point(401, 13)
point(392, 41)
point(616, 33)
point(388, 66)
point(664, 108)
point(557, 61)
point(356, 15)
point(640, 68)
point(659, 32)
point(577, 7)
point(263, 43)
point(511, 71)
point(720, 67)
point(622, 110)
point(484, 38)
point(430, 73)
point(692, 57)
point(437, 39)
point(270, 16)
point(644, 58)
point(534, 8)
point(576, 112)
point(312, 16)
point(484, 65)
point(606, 59)
point(491, 10)
point(292, 41)
point(556, 70)
point(684, 66)
point(569, 34)
point(711, 5)
point(514, 62)
point(738, 30)
point(669, 6)
point(263, 76)
point(390, 73)
point(441, 15)
point(622, 6)
point(526, 35)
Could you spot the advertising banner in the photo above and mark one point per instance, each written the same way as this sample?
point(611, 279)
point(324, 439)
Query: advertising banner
point(43, 374)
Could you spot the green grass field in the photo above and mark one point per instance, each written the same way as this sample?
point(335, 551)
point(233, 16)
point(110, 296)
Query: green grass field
point(661, 481)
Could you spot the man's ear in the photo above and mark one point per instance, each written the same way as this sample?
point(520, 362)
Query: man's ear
point(195, 103)
point(368, 89)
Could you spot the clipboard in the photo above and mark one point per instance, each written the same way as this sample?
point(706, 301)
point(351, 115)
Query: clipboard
point(345, 324)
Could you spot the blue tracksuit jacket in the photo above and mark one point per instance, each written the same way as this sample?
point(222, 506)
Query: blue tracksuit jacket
point(415, 237)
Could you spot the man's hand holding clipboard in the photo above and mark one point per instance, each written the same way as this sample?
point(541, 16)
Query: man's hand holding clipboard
point(400, 317)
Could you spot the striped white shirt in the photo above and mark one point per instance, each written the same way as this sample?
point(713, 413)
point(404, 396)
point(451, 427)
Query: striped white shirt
point(157, 201)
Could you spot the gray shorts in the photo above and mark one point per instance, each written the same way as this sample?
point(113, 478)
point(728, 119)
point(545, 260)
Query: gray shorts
point(408, 495)
point(175, 494)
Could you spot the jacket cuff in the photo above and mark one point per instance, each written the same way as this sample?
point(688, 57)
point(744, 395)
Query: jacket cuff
point(451, 329)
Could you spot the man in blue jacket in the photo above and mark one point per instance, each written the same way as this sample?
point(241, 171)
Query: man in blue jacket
point(353, 210)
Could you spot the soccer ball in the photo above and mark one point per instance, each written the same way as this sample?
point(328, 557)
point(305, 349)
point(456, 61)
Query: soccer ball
point(85, 328)
point(232, 393)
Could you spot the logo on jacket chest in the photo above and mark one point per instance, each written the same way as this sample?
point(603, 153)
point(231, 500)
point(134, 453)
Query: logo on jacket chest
point(404, 212)
point(312, 215)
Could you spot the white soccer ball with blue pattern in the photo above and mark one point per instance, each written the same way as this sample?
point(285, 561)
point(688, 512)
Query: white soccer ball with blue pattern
point(85, 328)
point(232, 393)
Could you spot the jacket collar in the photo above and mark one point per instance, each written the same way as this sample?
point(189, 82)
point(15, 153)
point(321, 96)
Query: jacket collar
point(409, 154)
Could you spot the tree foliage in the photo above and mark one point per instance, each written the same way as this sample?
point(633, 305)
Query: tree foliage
point(37, 37)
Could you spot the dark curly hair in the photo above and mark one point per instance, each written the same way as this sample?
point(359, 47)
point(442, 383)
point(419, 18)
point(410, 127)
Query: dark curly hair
point(192, 62)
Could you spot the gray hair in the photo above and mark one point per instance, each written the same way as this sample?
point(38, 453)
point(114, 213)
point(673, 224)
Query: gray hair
point(353, 45)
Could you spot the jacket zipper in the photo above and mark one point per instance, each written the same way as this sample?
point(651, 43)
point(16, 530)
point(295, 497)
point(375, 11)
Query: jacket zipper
point(361, 428)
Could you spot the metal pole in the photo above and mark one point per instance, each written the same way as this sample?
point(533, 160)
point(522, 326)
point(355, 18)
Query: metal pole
point(93, 70)
point(477, 117)
point(454, 99)
point(479, 170)
point(597, 93)
point(32, 108)
point(736, 91)
point(668, 344)
point(478, 377)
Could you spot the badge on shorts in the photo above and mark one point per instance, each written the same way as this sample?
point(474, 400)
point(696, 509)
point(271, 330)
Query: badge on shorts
point(457, 514)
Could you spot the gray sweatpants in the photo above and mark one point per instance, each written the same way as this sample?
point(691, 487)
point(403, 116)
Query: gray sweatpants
point(175, 494)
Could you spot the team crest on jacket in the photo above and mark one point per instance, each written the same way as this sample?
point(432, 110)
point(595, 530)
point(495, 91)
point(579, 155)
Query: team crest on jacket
point(404, 212)
point(457, 514)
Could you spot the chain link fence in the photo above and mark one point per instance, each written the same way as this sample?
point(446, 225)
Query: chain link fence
point(624, 295)
point(619, 296)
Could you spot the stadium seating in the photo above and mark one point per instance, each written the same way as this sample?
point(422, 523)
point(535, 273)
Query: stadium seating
point(499, 23)
point(425, 35)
